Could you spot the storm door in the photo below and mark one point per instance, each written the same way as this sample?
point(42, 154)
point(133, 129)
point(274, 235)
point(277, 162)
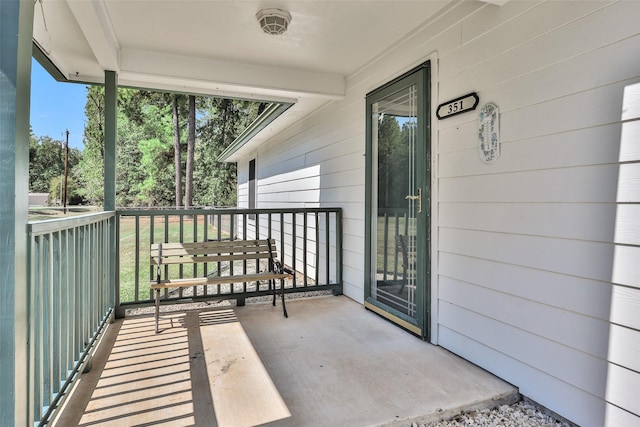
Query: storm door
point(398, 201)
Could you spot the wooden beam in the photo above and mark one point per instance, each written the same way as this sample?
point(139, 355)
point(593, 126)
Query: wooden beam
point(93, 19)
point(140, 68)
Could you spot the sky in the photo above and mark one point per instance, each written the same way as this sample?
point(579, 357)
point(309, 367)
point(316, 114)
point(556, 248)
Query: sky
point(56, 107)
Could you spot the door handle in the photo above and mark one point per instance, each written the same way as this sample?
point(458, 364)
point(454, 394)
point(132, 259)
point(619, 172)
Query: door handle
point(417, 197)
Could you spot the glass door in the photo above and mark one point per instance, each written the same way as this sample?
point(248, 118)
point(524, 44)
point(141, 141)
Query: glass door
point(398, 201)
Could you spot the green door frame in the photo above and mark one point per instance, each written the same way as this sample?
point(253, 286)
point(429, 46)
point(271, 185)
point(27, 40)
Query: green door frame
point(420, 76)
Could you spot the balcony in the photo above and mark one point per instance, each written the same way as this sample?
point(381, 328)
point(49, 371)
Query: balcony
point(218, 363)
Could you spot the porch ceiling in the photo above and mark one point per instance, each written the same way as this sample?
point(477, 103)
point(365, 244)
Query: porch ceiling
point(216, 47)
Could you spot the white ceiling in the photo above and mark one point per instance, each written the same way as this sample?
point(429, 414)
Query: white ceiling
point(216, 47)
point(326, 39)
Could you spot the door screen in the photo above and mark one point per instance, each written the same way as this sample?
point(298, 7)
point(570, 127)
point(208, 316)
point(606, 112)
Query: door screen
point(397, 200)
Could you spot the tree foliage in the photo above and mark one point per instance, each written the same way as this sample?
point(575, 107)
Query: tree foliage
point(215, 183)
point(90, 172)
point(162, 139)
point(46, 163)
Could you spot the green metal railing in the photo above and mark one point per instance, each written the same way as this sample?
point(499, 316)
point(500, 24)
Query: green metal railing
point(71, 276)
point(82, 270)
point(309, 243)
point(391, 224)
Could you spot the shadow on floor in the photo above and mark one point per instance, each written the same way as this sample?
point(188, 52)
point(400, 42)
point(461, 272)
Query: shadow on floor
point(332, 363)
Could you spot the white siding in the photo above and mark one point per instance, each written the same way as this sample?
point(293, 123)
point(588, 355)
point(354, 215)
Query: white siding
point(537, 276)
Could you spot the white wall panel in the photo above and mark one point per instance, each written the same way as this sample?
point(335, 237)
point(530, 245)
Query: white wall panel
point(629, 183)
point(587, 184)
point(615, 416)
point(599, 106)
point(573, 45)
point(627, 226)
point(580, 221)
point(591, 146)
point(625, 266)
point(582, 408)
point(631, 107)
point(630, 141)
point(584, 296)
point(591, 260)
point(573, 367)
point(485, 20)
point(622, 388)
point(624, 348)
point(582, 333)
point(625, 306)
point(511, 33)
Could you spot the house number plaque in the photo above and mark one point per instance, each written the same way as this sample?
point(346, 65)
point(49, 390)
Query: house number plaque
point(458, 106)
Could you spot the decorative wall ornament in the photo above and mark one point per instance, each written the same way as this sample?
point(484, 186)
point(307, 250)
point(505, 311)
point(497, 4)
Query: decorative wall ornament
point(489, 133)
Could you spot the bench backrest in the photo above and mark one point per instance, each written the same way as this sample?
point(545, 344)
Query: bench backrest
point(213, 251)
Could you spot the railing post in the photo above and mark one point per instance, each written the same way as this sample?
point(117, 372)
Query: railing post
point(339, 251)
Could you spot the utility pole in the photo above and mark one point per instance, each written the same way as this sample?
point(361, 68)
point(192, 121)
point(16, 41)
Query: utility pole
point(66, 172)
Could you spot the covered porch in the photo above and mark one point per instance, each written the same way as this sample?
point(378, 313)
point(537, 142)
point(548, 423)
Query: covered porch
point(531, 258)
point(96, 359)
point(331, 363)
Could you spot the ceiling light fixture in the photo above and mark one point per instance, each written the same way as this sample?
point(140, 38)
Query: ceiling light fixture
point(273, 21)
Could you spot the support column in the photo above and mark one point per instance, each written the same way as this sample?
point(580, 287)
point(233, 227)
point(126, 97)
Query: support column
point(110, 132)
point(16, 32)
point(110, 129)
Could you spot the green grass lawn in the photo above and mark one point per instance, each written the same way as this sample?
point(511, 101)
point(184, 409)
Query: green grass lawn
point(40, 213)
point(172, 231)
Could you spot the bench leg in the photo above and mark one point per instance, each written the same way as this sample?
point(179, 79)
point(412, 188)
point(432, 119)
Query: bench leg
point(157, 309)
point(284, 307)
point(273, 286)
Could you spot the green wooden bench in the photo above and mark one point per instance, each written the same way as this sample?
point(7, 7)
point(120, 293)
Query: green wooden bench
point(163, 254)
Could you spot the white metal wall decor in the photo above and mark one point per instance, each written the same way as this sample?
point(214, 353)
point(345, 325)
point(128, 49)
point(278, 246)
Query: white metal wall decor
point(489, 133)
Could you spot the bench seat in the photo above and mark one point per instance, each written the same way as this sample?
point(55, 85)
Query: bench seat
point(165, 254)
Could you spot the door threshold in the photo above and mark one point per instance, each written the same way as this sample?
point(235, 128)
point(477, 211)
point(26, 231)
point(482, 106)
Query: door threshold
point(394, 319)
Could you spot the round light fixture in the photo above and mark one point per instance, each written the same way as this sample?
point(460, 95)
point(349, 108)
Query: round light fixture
point(273, 21)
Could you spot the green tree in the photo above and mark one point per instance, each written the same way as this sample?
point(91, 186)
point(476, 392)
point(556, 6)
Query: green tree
point(129, 173)
point(46, 161)
point(391, 174)
point(215, 183)
point(191, 143)
point(56, 188)
point(90, 171)
point(150, 147)
point(153, 188)
point(175, 112)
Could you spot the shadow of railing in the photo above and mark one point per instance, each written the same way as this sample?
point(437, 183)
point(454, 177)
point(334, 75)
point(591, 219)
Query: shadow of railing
point(201, 367)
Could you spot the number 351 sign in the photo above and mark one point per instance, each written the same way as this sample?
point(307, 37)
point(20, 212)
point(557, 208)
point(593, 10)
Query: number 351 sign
point(457, 106)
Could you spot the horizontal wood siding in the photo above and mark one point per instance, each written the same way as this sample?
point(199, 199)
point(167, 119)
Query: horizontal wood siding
point(539, 251)
point(536, 276)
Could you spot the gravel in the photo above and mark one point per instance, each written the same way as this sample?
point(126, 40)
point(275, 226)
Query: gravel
point(520, 414)
point(183, 306)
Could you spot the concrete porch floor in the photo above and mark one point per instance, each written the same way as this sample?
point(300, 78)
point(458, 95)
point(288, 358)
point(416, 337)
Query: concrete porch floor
point(332, 363)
